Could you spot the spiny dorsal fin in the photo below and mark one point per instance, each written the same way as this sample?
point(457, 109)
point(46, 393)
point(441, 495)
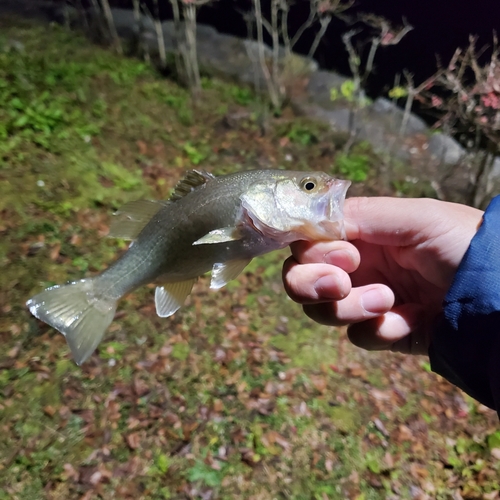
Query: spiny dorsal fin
point(192, 180)
point(130, 219)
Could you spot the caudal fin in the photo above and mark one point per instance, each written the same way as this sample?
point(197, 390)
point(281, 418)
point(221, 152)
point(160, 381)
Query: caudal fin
point(77, 313)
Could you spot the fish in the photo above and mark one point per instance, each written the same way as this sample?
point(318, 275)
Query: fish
point(210, 223)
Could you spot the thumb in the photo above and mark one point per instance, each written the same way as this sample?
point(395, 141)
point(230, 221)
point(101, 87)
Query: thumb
point(390, 221)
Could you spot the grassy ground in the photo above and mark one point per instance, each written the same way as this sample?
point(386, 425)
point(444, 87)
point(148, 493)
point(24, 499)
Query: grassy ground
point(238, 395)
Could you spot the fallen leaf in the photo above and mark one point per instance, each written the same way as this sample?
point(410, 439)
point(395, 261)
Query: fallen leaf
point(75, 240)
point(356, 370)
point(54, 251)
point(218, 405)
point(140, 387)
point(70, 472)
point(381, 427)
point(319, 383)
point(494, 495)
point(87, 495)
point(405, 433)
point(14, 352)
point(49, 410)
point(133, 440)
point(380, 395)
point(143, 147)
point(282, 441)
point(418, 471)
point(187, 430)
point(389, 461)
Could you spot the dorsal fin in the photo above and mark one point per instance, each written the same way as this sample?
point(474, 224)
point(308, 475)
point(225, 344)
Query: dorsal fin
point(130, 219)
point(192, 180)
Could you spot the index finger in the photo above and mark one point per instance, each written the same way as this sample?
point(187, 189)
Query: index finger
point(336, 253)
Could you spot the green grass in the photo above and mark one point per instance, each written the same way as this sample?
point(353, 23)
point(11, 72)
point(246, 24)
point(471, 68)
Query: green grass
point(238, 393)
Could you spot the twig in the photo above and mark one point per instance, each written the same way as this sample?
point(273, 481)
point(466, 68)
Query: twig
point(272, 91)
point(324, 22)
point(276, 41)
point(307, 24)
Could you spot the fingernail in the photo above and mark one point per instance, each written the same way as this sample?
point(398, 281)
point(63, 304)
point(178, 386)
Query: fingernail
point(374, 301)
point(329, 287)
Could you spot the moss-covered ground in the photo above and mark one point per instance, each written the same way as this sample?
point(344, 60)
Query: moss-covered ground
point(238, 395)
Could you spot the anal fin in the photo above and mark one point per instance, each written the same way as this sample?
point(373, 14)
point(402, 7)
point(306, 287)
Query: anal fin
point(223, 273)
point(170, 297)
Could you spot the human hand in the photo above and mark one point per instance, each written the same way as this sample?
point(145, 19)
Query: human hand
point(388, 281)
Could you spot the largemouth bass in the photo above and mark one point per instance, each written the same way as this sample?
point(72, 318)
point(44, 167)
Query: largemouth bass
point(210, 223)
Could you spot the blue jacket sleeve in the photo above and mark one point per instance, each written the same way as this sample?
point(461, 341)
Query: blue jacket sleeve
point(465, 347)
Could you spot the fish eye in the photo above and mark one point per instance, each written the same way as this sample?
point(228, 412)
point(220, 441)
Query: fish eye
point(309, 184)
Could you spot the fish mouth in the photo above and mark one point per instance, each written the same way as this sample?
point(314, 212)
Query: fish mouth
point(329, 209)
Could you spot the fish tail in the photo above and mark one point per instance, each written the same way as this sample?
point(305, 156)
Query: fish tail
point(77, 312)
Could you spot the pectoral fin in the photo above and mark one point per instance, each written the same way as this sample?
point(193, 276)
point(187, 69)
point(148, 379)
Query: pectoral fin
point(170, 297)
point(222, 235)
point(223, 273)
point(130, 219)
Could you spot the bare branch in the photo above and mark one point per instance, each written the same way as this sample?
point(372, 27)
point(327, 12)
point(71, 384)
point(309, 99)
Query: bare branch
point(324, 22)
point(276, 40)
point(284, 27)
point(307, 24)
point(273, 91)
point(353, 57)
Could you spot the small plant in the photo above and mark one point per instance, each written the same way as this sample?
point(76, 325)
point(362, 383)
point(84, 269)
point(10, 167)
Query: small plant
point(203, 473)
point(302, 131)
point(349, 92)
point(398, 92)
point(354, 167)
point(494, 440)
point(302, 135)
point(195, 155)
point(41, 98)
point(242, 95)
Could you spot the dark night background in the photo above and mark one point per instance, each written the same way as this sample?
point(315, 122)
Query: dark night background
point(440, 26)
